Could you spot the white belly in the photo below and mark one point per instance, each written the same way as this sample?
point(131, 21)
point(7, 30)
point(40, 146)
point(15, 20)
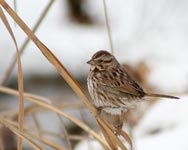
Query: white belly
point(106, 105)
point(114, 111)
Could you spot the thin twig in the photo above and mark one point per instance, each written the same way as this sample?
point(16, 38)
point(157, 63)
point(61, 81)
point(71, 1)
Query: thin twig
point(37, 124)
point(15, 9)
point(36, 109)
point(108, 27)
point(71, 137)
point(66, 136)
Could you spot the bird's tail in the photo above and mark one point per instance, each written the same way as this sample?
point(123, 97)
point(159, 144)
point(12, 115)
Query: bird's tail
point(161, 95)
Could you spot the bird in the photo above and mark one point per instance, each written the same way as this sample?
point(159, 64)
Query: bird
point(110, 86)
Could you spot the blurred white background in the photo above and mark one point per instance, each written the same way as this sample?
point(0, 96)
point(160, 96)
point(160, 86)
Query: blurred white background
point(149, 30)
point(155, 32)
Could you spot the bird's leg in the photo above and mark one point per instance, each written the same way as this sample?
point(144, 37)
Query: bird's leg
point(120, 125)
point(99, 109)
point(121, 122)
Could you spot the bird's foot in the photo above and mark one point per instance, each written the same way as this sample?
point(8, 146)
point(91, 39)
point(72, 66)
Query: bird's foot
point(118, 128)
point(99, 109)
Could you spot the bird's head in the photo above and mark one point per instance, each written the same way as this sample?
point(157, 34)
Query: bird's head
point(103, 60)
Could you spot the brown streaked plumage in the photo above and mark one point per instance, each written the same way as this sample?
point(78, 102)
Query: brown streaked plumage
point(111, 87)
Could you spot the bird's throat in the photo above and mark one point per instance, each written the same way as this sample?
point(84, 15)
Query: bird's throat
point(99, 68)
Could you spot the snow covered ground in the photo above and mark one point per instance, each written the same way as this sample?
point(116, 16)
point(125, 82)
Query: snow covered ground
point(164, 127)
point(149, 30)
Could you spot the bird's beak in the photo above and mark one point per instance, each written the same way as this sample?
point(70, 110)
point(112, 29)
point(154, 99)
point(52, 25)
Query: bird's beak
point(90, 62)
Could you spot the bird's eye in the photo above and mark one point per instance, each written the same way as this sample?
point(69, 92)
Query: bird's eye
point(100, 60)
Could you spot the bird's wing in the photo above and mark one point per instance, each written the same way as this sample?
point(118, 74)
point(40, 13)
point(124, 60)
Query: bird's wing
point(125, 84)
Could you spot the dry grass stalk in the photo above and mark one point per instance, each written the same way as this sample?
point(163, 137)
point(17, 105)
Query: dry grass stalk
point(26, 133)
point(37, 124)
point(11, 66)
point(35, 108)
point(7, 139)
point(29, 132)
point(119, 132)
point(35, 137)
point(20, 134)
point(65, 74)
point(20, 79)
point(108, 27)
point(56, 110)
point(45, 141)
point(65, 132)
